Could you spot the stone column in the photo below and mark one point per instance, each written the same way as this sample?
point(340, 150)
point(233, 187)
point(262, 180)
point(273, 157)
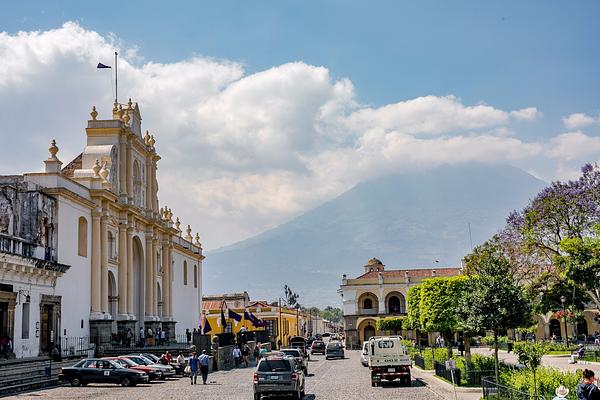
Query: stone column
point(104, 265)
point(123, 160)
point(149, 182)
point(166, 283)
point(154, 276)
point(129, 173)
point(96, 261)
point(130, 309)
point(149, 268)
point(170, 282)
point(123, 276)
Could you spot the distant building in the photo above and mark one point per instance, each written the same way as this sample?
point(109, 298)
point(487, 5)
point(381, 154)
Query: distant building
point(379, 293)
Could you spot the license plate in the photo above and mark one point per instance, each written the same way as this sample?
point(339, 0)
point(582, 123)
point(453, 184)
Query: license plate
point(391, 369)
point(274, 377)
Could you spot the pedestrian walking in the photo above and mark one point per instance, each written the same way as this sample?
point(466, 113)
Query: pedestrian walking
point(561, 393)
point(237, 355)
point(162, 337)
point(142, 336)
point(587, 389)
point(158, 330)
point(188, 335)
point(181, 362)
point(204, 359)
point(194, 365)
point(245, 354)
point(256, 352)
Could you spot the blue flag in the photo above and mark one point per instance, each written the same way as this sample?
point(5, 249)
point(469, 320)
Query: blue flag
point(100, 66)
point(234, 315)
point(207, 327)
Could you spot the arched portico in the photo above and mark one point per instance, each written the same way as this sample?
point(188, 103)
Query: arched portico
point(368, 303)
point(138, 280)
point(395, 303)
point(366, 329)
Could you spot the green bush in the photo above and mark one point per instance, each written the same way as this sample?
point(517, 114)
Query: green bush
point(441, 356)
point(489, 340)
point(548, 380)
point(478, 363)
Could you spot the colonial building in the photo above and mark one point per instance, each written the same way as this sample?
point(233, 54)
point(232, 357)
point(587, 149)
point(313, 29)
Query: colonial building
point(87, 251)
point(379, 293)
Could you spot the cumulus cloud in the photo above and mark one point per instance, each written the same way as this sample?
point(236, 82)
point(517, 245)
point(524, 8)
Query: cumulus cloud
point(244, 152)
point(578, 120)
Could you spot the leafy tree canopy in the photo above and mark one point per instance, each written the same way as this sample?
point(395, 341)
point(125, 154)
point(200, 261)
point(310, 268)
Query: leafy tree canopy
point(439, 301)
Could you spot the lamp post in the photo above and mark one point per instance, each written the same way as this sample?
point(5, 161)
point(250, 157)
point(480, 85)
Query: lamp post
point(563, 299)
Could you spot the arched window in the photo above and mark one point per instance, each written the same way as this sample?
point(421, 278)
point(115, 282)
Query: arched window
point(185, 272)
point(82, 237)
point(111, 246)
point(394, 304)
point(195, 276)
point(368, 304)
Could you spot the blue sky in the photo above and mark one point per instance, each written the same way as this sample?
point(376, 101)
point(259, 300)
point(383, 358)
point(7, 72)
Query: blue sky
point(263, 110)
point(508, 53)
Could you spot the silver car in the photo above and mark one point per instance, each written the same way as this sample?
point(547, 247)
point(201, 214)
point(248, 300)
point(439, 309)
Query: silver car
point(278, 375)
point(334, 350)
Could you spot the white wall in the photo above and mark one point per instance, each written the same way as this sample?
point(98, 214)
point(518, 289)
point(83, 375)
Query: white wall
point(186, 298)
point(75, 285)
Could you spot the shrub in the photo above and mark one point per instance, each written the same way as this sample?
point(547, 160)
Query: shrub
point(548, 379)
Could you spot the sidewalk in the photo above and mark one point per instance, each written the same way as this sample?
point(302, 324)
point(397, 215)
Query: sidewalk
point(559, 362)
point(445, 389)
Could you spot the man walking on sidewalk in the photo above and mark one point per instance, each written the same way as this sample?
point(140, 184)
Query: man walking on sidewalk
point(204, 366)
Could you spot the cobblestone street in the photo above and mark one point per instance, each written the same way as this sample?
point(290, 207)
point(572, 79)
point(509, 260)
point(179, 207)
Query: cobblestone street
point(328, 379)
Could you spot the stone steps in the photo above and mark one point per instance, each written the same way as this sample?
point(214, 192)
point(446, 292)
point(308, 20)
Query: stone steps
point(30, 374)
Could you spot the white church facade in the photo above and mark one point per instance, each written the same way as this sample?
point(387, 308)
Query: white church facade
point(86, 250)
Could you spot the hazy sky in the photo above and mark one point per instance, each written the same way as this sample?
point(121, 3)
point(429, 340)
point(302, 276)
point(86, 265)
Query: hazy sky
point(264, 109)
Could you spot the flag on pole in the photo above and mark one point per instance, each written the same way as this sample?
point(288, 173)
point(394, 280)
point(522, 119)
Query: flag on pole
point(101, 66)
point(234, 315)
point(207, 327)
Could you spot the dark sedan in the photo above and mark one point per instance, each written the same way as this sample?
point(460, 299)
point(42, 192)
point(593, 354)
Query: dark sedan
point(93, 370)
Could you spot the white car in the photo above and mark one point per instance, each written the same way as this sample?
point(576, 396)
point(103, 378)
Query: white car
point(364, 354)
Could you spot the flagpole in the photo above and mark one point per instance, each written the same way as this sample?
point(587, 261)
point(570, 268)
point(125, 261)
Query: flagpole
point(116, 77)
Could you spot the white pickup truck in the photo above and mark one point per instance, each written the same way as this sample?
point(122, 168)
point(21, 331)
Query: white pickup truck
point(388, 360)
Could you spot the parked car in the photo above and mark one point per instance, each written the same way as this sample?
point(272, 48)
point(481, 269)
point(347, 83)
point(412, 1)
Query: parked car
point(317, 347)
point(364, 354)
point(93, 370)
point(298, 356)
point(278, 375)
point(334, 350)
point(153, 373)
point(167, 370)
point(299, 342)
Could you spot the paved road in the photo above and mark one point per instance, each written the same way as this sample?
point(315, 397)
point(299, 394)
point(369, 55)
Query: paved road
point(328, 380)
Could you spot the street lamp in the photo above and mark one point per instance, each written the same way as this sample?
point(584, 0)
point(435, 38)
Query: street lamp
point(563, 299)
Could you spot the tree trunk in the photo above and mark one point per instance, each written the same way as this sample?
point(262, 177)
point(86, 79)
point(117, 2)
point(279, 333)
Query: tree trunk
point(496, 371)
point(467, 339)
point(449, 344)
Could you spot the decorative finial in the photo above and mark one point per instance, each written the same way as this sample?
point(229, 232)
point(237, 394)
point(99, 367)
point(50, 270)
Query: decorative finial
point(151, 141)
point(197, 239)
point(177, 224)
point(115, 106)
point(129, 104)
point(146, 137)
point(126, 118)
point(103, 172)
point(96, 168)
point(53, 149)
point(94, 113)
point(188, 235)
point(120, 112)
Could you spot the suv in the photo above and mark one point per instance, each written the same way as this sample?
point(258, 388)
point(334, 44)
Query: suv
point(298, 356)
point(318, 346)
point(278, 375)
point(334, 350)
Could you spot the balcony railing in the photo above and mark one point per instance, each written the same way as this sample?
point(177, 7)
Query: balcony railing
point(368, 311)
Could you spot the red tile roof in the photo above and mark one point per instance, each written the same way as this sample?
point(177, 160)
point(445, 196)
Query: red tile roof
point(412, 273)
point(212, 304)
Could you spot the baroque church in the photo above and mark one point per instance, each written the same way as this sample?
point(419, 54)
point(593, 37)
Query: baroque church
point(86, 251)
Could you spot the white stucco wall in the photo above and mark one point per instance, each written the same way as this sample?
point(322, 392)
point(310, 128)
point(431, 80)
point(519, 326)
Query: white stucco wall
point(186, 298)
point(74, 287)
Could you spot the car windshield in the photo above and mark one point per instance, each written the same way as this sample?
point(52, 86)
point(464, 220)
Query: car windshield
point(334, 345)
point(318, 344)
point(125, 362)
point(274, 366)
point(151, 357)
point(385, 344)
point(138, 360)
point(293, 353)
point(147, 360)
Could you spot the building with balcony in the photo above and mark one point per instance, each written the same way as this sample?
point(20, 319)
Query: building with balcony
point(379, 293)
point(87, 251)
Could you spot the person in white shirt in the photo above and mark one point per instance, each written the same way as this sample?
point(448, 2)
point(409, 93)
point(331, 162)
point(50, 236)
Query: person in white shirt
point(237, 355)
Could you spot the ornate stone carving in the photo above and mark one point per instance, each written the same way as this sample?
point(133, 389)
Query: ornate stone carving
point(94, 113)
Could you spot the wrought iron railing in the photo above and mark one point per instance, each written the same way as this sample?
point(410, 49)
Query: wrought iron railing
point(495, 391)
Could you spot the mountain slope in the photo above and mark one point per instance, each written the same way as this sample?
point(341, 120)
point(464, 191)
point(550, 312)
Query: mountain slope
point(406, 220)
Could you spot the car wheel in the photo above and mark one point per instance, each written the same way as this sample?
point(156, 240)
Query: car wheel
point(256, 396)
point(373, 383)
point(76, 381)
point(125, 382)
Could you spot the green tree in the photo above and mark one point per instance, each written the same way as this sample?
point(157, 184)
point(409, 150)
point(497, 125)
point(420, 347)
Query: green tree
point(492, 301)
point(392, 324)
point(439, 303)
point(530, 355)
point(291, 297)
point(413, 314)
point(333, 314)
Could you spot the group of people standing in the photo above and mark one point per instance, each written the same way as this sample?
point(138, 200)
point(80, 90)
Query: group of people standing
point(149, 338)
point(240, 356)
